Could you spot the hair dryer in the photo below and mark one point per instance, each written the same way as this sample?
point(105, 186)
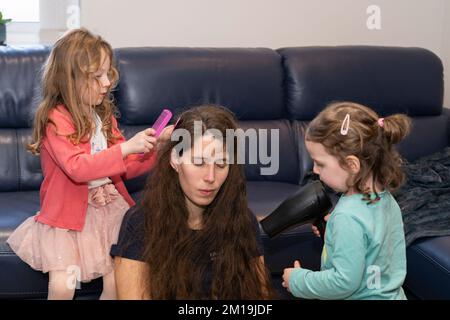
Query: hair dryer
point(310, 204)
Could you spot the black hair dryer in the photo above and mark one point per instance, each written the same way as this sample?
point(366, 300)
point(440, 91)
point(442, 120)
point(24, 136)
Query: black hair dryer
point(310, 204)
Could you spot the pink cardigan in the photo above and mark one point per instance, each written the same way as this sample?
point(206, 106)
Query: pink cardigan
point(67, 168)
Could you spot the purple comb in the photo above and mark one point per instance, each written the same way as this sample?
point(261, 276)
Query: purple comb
point(162, 121)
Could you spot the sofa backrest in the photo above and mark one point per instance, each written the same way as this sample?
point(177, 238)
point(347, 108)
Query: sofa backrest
point(19, 95)
point(387, 79)
point(266, 89)
point(247, 81)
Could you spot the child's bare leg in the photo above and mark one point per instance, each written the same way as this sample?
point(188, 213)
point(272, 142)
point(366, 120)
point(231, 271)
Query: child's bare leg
point(109, 287)
point(60, 286)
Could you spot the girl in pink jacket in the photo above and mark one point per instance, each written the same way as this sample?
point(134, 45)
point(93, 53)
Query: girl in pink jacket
point(84, 158)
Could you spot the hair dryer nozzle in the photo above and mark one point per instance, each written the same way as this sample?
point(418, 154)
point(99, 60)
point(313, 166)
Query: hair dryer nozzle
point(308, 204)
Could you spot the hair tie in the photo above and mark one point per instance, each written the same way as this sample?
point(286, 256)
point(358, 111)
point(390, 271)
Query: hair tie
point(380, 122)
point(345, 125)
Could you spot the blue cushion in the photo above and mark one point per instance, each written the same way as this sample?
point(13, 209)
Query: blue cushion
point(428, 274)
point(9, 163)
point(248, 81)
point(388, 79)
point(18, 279)
point(19, 84)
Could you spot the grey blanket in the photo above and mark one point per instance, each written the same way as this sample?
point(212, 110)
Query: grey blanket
point(425, 197)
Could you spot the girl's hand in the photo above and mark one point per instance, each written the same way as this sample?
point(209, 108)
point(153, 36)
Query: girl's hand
point(287, 274)
point(142, 142)
point(314, 228)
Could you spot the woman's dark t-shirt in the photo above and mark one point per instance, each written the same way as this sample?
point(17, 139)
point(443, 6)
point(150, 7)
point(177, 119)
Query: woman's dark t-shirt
point(130, 244)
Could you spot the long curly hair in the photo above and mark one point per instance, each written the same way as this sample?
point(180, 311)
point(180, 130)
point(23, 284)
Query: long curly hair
point(74, 59)
point(373, 144)
point(175, 255)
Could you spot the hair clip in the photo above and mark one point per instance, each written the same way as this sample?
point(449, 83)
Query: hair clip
point(345, 125)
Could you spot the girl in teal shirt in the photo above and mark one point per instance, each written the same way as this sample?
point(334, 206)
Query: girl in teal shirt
point(364, 255)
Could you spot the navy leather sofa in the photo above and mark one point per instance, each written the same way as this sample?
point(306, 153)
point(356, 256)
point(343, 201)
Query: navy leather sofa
point(267, 89)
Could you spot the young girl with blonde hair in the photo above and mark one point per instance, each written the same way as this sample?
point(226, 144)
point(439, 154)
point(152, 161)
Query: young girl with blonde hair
point(84, 159)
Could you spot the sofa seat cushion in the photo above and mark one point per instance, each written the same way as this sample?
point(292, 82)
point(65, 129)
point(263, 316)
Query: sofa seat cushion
point(17, 279)
point(428, 275)
point(16, 207)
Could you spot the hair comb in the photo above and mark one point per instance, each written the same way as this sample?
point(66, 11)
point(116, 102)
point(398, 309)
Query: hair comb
point(162, 121)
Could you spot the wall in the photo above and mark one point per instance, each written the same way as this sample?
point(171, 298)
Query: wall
point(271, 23)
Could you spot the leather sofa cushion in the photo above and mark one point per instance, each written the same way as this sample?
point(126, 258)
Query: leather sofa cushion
point(248, 81)
point(15, 207)
point(19, 84)
point(388, 79)
point(287, 156)
point(9, 168)
point(30, 172)
point(429, 268)
point(428, 135)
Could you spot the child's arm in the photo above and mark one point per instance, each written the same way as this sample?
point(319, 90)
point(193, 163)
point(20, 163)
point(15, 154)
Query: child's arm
point(346, 238)
point(79, 165)
point(135, 164)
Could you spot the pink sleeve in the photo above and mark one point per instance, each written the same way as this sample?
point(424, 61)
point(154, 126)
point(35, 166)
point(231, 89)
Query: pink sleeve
point(75, 161)
point(135, 164)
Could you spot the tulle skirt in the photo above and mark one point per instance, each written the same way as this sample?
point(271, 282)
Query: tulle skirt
point(83, 253)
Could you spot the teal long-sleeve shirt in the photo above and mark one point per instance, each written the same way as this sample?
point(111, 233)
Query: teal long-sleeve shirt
point(364, 256)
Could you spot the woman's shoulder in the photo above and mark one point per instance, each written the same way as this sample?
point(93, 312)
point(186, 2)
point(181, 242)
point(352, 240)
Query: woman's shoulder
point(134, 217)
point(132, 235)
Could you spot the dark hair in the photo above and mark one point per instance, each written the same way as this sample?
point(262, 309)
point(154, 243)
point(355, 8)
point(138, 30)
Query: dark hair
point(368, 139)
point(173, 251)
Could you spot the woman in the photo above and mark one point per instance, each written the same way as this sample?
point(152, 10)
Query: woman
point(193, 236)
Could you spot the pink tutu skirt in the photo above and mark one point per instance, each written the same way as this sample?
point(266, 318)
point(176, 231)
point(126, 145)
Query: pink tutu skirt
point(46, 248)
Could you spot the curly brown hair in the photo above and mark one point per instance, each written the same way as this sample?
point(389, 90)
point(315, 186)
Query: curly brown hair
point(373, 144)
point(174, 254)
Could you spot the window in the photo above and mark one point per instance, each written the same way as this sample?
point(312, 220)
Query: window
point(20, 10)
point(39, 21)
